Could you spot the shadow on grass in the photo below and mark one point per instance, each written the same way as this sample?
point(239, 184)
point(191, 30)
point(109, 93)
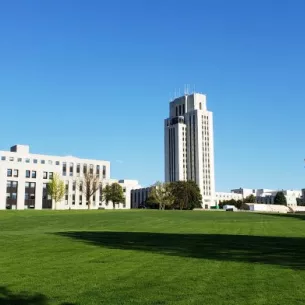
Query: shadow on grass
point(7, 297)
point(281, 251)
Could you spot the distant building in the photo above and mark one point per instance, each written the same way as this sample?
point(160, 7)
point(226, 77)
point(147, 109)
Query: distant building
point(222, 196)
point(24, 178)
point(267, 196)
point(189, 145)
point(139, 197)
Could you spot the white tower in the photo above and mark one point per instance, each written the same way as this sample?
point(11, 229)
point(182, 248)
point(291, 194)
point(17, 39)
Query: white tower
point(189, 144)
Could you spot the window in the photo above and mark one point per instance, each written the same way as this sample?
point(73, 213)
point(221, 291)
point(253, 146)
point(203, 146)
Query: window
point(50, 175)
point(14, 184)
point(14, 195)
point(32, 185)
point(74, 186)
point(27, 160)
point(81, 187)
point(73, 199)
point(27, 184)
point(50, 162)
point(183, 108)
point(3, 158)
point(16, 172)
point(80, 199)
point(44, 186)
point(45, 175)
point(34, 174)
point(19, 159)
point(97, 170)
point(26, 196)
point(176, 111)
point(71, 169)
point(9, 173)
point(11, 159)
point(104, 171)
point(91, 169)
point(78, 169)
point(35, 161)
point(85, 168)
point(180, 110)
point(57, 163)
point(8, 183)
point(64, 168)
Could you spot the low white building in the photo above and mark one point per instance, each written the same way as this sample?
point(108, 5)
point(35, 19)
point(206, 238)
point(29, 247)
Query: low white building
point(223, 196)
point(24, 178)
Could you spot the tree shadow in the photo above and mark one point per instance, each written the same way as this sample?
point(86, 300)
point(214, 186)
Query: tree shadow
point(281, 251)
point(7, 297)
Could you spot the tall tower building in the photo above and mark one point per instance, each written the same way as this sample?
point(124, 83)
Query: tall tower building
point(189, 144)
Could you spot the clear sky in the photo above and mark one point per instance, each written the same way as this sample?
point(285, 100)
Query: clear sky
point(93, 79)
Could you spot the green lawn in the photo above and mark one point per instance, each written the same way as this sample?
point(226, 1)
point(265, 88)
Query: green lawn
point(151, 257)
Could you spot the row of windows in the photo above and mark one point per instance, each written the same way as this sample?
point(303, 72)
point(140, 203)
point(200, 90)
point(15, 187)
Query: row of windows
point(28, 174)
point(85, 169)
point(27, 160)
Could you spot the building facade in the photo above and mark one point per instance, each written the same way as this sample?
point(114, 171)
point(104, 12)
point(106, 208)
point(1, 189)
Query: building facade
point(24, 178)
point(189, 145)
point(223, 196)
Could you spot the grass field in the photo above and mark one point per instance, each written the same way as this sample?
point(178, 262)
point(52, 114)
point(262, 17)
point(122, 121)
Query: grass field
point(151, 257)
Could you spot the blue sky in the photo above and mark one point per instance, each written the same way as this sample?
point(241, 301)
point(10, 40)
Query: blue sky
point(93, 79)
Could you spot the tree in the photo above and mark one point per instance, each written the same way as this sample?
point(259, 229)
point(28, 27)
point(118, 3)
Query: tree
point(161, 196)
point(56, 189)
point(280, 199)
point(186, 195)
point(250, 199)
point(89, 185)
point(113, 192)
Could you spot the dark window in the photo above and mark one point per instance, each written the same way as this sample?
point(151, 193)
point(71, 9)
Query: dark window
point(200, 106)
point(78, 169)
point(28, 174)
point(81, 187)
point(104, 171)
point(176, 111)
point(97, 170)
point(33, 174)
point(85, 168)
point(19, 160)
point(57, 163)
point(64, 169)
point(11, 159)
point(35, 161)
point(71, 169)
point(16, 172)
point(50, 175)
point(45, 175)
point(3, 158)
point(183, 108)
point(74, 186)
point(43, 162)
point(80, 199)
point(27, 160)
point(9, 173)
point(180, 110)
point(91, 169)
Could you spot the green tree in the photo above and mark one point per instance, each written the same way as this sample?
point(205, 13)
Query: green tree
point(186, 195)
point(56, 189)
point(280, 199)
point(89, 185)
point(160, 195)
point(114, 193)
point(250, 199)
